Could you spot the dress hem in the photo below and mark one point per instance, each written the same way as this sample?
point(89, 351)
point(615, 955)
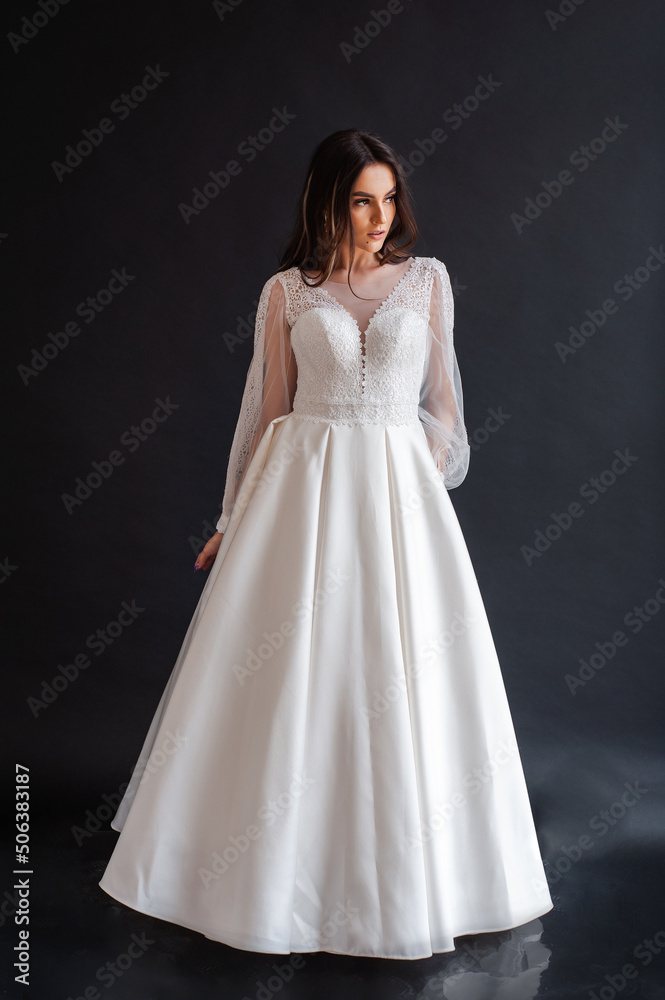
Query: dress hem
point(231, 943)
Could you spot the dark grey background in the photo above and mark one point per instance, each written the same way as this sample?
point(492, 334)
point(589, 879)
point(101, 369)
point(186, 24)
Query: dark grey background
point(517, 295)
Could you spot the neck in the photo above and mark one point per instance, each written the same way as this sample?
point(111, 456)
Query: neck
point(365, 263)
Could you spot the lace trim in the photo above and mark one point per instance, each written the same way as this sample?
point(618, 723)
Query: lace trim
point(410, 292)
point(353, 412)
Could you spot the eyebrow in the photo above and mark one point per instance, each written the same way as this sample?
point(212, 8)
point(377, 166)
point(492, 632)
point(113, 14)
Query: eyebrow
point(368, 195)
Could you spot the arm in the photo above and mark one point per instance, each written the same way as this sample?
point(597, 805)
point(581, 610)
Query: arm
point(269, 390)
point(440, 408)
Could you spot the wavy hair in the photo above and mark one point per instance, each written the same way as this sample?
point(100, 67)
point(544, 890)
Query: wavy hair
point(326, 195)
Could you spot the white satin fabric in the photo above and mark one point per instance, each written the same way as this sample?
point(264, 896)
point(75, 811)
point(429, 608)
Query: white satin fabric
point(332, 765)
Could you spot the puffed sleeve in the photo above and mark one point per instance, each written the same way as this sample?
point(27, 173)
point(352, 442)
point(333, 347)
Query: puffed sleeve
point(269, 388)
point(440, 407)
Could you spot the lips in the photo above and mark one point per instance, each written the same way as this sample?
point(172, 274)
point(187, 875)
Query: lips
point(379, 232)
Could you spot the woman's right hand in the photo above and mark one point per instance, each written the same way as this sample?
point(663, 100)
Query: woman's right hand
point(206, 556)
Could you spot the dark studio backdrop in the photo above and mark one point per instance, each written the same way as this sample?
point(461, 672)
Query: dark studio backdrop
point(533, 141)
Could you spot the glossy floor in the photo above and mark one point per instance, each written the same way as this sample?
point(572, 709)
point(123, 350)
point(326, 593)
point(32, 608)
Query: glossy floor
point(605, 938)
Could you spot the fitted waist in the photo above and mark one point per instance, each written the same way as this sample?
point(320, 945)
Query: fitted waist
point(356, 411)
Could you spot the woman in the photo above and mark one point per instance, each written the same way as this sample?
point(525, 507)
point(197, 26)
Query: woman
point(332, 765)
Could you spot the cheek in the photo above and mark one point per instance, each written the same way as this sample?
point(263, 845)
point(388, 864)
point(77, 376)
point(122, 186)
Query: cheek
point(358, 219)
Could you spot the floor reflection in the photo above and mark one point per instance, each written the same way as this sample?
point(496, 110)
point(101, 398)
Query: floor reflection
point(504, 966)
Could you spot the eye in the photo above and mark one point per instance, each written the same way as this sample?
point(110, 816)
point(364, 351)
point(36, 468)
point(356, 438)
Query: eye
point(363, 201)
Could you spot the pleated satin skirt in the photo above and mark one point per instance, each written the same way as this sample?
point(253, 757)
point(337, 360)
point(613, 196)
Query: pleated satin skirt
point(332, 765)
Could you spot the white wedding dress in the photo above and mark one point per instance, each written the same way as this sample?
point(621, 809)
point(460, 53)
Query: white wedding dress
point(332, 765)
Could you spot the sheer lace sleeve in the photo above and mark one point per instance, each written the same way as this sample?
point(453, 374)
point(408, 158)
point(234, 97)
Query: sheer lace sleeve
point(440, 408)
point(269, 388)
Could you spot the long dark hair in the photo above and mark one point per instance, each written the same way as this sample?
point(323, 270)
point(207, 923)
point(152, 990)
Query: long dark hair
point(332, 172)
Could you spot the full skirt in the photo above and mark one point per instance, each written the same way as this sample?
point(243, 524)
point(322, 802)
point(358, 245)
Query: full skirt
point(332, 765)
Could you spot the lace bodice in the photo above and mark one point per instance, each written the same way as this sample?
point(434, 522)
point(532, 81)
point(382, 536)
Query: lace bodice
point(312, 359)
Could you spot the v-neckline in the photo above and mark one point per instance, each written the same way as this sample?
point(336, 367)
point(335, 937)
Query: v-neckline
point(363, 333)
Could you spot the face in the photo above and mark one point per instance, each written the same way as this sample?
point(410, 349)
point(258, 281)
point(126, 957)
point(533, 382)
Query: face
point(373, 206)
